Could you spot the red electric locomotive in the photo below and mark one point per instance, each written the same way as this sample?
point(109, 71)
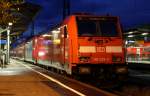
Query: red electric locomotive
point(84, 44)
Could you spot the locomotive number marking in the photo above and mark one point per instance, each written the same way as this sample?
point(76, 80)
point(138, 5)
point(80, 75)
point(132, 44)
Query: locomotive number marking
point(100, 59)
point(100, 49)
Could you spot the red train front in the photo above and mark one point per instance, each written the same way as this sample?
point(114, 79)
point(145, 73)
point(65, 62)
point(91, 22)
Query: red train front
point(95, 44)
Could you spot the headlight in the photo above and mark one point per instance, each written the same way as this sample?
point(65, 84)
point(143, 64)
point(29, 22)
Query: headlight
point(84, 59)
point(84, 70)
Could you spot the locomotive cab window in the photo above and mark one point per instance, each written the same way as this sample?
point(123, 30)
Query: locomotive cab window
point(97, 27)
point(108, 28)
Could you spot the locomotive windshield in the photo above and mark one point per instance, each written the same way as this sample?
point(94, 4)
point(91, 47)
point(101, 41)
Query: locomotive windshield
point(97, 27)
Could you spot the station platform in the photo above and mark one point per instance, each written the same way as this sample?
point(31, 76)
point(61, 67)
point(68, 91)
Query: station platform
point(24, 79)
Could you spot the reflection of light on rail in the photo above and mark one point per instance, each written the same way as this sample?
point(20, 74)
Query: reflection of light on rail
point(56, 81)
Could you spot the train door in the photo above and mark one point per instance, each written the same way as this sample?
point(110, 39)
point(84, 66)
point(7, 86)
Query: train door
point(64, 46)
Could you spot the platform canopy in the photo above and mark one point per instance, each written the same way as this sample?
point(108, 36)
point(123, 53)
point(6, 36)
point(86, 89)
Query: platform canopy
point(18, 12)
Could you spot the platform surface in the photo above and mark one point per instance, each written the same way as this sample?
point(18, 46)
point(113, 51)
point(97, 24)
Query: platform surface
point(22, 79)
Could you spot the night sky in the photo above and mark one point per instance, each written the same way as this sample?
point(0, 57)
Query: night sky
point(132, 13)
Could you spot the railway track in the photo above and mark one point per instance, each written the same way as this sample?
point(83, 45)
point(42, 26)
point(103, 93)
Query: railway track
point(132, 87)
point(136, 85)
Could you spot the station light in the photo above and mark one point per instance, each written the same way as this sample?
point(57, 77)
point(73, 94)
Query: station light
point(55, 32)
point(144, 33)
point(131, 41)
point(130, 36)
point(8, 41)
point(130, 32)
point(126, 42)
point(10, 23)
point(46, 35)
point(56, 41)
point(8, 31)
point(28, 42)
point(59, 29)
point(18, 8)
